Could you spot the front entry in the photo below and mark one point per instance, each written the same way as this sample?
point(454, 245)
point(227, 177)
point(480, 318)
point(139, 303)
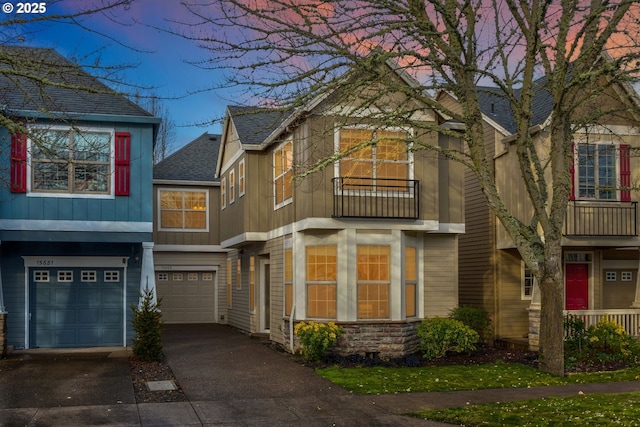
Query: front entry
point(577, 286)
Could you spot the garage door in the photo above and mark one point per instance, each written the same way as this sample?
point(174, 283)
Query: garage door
point(187, 296)
point(75, 307)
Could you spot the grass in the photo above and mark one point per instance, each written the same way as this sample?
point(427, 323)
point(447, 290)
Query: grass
point(592, 410)
point(382, 380)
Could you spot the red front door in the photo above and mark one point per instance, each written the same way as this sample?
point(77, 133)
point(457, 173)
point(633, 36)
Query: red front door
point(577, 286)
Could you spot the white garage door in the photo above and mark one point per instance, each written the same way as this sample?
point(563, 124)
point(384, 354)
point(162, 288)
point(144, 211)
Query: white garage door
point(187, 296)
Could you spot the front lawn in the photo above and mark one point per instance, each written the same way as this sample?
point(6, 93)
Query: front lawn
point(387, 380)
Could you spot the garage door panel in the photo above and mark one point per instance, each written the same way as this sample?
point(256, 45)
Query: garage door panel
point(187, 297)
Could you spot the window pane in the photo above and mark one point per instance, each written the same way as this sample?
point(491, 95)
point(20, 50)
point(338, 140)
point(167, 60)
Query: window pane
point(321, 263)
point(321, 301)
point(606, 172)
point(288, 265)
point(91, 178)
point(410, 300)
point(195, 200)
point(94, 147)
point(50, 176)
point(171, 219)
point(373, 263)
point(586, 171)
point(391, 145)
point(288, 298)
point(373, 301)
point(195, 220)
point(410, 263)
point(171, 200)
point(50, 144)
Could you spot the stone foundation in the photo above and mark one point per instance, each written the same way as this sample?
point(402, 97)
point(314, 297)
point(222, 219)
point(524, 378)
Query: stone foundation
point(3, 335)
point(534, 329)
point(378, 339)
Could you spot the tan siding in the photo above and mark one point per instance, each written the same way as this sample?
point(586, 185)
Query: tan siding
point(512, 319)
point(275, 250)
point(440, 274)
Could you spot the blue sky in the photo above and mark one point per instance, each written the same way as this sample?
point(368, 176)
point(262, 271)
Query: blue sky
point(159, 59)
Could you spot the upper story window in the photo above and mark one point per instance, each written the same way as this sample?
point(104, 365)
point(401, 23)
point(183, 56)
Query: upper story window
point(74, 161)
point(223, 193)
point(183, 210)
point(283, 173)
point(241, 178)
point(602, 172)
point(386, 159)
point(232, 186)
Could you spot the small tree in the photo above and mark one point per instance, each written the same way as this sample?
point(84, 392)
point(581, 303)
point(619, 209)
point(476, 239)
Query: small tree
point(147, 324)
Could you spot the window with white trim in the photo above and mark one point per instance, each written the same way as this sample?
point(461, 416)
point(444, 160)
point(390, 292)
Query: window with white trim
point(223, 193)
point(283, 173)
point(528, 282)
point(163, 277)
point(65, 276)
point(232, 186)
point(183, 210)
point(241, 173)
point(597, 171)
point(40, 275)
point(111, 276)
point(89, 276)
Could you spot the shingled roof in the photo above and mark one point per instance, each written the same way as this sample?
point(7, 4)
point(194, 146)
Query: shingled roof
point(196, 161)
point(38, 80)
point(255, 124)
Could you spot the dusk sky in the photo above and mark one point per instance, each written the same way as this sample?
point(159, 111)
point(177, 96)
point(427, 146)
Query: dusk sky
point(159, 58)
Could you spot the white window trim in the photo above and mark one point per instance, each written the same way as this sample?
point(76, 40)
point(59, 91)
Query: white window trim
point(232, 186)
point(523, 295)
point(288, 201)
point(182, 190)
point(34, 193)
point(242, 171)
point(223, 193)
point(576, 168)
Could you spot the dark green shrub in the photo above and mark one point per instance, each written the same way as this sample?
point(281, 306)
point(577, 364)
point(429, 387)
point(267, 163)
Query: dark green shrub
point(475, 318)
point(147, 324)
point(439, 336)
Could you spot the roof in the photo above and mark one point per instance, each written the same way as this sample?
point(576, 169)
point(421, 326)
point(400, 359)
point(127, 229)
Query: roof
point(196, 161)
point(255, 124)
point(41, 81)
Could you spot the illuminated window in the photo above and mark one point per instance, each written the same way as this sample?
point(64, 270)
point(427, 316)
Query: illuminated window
point(223, 193)
point(239, 273)
point(283, 173)
point(232, 186)
point(410, 281)
point(321, 276)
point(183, 210)
point(241, 178)
point(229, 289)
point(252, 283)
point(373, 280)
point(288, 281)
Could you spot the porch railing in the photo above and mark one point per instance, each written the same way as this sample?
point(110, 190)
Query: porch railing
point(356, 197)
point(629, 318)
point(601, 218)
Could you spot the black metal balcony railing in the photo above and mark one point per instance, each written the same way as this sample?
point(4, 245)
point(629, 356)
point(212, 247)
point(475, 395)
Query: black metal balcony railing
point(601, 218)
point(355, 197)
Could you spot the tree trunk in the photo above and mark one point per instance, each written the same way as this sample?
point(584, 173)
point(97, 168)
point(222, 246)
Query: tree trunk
point(551, 311)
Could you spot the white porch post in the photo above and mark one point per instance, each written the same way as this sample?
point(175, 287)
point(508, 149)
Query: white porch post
point(148, 276)
point(636, 299)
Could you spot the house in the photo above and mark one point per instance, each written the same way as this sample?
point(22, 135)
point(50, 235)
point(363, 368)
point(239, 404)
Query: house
point(76, 213)
point(369, 242)
point(189, 262)
point(600, 235)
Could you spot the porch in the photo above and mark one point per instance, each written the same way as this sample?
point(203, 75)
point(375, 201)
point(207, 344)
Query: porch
point(628, 318)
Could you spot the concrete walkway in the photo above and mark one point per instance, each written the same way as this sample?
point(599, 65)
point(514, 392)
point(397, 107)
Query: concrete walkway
point(228, 380)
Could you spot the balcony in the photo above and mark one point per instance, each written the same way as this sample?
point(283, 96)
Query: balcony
point(355, 197)
point(601, 218)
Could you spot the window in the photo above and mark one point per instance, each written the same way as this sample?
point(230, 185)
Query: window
point(223, 193)
point(321, 277)
point(41, 276)
point(183, 210)
point(603, 172)
point(207, 277)
point(229, 289)
point(239, 273)
point(626, 276)
point(71, 161)
point(232, 186)
point(528, 282)
point(410, 281)
point(177, 277)
point(252, 283)
point(283, 173)
point(611, 276)
point(385, 160)
point(374, 279)
point(241, 178)
point(163, 277)
point(88, 276)
point(288, 281)
point(65, 276)
point(192, 277)
point(111, 276)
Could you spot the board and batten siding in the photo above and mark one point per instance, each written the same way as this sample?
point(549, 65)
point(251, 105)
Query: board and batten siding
point(441, 274)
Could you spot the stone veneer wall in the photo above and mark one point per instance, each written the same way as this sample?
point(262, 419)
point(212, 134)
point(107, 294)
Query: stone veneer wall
point(381, 339)
point(534, 329)
point(3, 334)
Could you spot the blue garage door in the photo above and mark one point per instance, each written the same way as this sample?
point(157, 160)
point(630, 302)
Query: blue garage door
point(75, 307)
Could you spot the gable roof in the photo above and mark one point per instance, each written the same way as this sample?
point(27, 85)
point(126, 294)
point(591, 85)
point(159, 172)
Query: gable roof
point(255, 124)
point(196, 161)
point(46, 84)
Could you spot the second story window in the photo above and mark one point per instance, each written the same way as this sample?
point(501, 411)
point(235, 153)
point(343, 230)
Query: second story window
point(71, 161)
point(597, 171)
point(283, 173)
point(183, 210)
point(385, 160)
point(232, 186)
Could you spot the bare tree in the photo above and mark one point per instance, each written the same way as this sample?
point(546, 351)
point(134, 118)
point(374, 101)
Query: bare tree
point(286, 52)
point(165, 139)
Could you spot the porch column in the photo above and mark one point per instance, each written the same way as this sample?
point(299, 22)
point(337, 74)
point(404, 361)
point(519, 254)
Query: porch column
point(148, 276)
point(3, 321)
point(636, 299)
point(534, 318)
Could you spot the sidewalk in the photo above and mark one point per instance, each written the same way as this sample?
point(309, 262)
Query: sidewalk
point(228, 379)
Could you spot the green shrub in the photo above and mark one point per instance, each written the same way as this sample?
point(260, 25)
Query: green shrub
point(475, 318)
point(317, 338)
point(147, 324)
point(607, 341)
point(439, 336)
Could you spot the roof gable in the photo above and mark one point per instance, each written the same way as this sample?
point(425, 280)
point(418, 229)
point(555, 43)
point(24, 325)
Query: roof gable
point(196, 161)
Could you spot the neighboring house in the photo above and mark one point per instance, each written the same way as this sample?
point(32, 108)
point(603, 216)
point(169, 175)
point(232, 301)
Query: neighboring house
point(600, 236)
point(371, 242)
point(189, 263)
point(76, 212)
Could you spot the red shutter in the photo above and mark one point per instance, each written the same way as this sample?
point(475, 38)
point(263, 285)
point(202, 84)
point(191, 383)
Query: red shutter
point(625, 174)
point(572, 171)
point(122, 163)
point(18, 163)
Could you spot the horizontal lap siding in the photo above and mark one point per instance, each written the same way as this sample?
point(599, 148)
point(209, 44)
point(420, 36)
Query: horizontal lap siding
point(275, 249)
point(513, 315)
point(441, 274)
